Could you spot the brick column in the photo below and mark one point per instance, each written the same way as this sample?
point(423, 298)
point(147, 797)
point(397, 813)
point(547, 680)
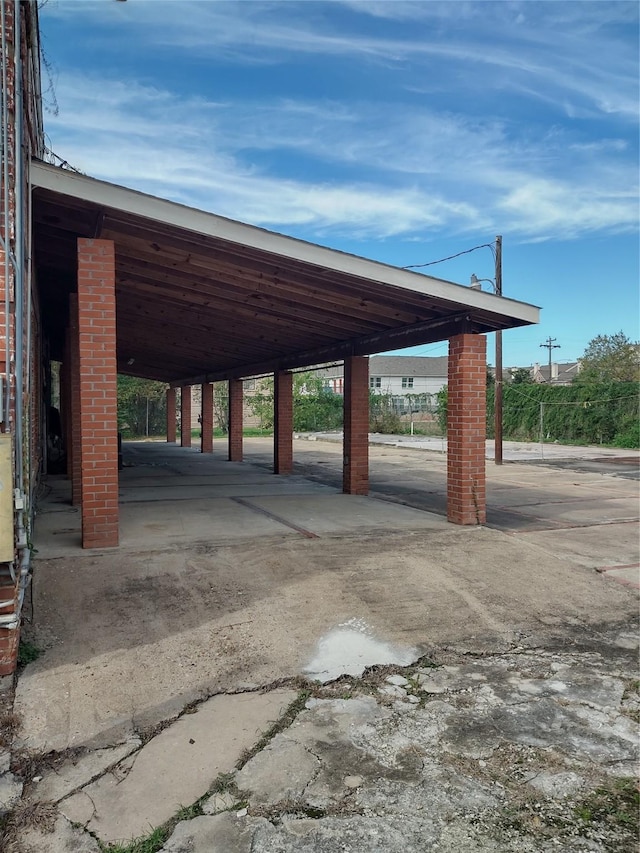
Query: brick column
point(206, 419)
point(98, 392)
point(171, 415)
point(283, 423)
point(466, 430)
point(75, 445)
point(65, 400)
point(236, 404)
point(185, 416)
point(355, 465)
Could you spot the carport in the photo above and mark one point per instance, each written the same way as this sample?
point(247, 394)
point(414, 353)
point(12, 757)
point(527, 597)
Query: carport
point(137, 285)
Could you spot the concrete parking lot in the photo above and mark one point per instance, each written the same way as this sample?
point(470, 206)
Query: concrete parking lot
point(233, 582)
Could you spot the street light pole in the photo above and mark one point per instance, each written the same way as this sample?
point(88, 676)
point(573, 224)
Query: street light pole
point(497, 407)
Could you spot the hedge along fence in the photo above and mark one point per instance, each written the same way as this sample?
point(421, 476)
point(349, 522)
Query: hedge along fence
point(583, 414)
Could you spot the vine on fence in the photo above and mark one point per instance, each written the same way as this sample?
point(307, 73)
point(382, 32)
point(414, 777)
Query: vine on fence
point(607, 413)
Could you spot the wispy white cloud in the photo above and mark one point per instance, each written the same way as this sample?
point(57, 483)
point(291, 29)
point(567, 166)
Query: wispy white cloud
point(543, 50)
point(401, 174)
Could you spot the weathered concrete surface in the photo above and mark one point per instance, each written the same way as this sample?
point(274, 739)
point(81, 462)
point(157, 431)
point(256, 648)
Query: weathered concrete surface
point(130, 642)
point(174, 768)
point(10, 792)
point(192, 607)
point(523, 735)
point(58, 837)
point(77, 771)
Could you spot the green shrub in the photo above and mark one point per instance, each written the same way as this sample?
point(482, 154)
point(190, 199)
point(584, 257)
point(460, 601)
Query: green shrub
point(628, 437)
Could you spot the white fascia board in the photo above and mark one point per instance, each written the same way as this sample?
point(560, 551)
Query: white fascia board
point(166, 212)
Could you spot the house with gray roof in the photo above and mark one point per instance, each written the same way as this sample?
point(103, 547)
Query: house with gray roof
point(397, 375)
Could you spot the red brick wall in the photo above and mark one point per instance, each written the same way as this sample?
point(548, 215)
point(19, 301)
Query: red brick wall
point(30, 394)
point(206, 418)
point(355, 470)
point(65, 399)
point(466, 430)
point(185, 416)
point(283, 423)
point(9, 638)
point(236, 403)
point(171, 415)
point(98, 392)
point(75, 447)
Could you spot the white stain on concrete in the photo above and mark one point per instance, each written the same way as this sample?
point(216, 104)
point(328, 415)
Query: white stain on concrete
point(350, 648)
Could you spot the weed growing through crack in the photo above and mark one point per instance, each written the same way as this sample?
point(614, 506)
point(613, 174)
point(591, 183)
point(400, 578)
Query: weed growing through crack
point(9, 722)
point(153, 842)
point(279, 726)
point(149, 844)
point(27, 815)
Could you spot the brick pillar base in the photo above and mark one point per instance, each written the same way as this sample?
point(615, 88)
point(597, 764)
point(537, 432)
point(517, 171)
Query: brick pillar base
point(236, 403)
point(185, 416)
point(206, 419)
point(171, 415)
point(466, 430)
point(283, 423)
point(355, 466)
point(98, 392)
point(9, 640)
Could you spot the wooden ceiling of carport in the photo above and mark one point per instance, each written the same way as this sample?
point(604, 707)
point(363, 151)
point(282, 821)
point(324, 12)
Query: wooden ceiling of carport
point(195, 306)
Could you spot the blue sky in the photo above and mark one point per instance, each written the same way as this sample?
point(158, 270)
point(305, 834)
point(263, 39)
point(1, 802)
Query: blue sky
point(401, 131)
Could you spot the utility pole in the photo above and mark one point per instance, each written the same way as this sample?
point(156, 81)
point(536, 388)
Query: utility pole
point(497, 406)
point(550, 345)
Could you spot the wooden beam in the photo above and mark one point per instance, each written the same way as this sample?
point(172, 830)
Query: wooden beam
point(420, 333)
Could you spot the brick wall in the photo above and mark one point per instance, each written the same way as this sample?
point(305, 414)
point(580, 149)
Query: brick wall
point(355, 470)
point(29, 426)
point(75, 446)
point(9, 638)
point(98, 392)
point(466, 430)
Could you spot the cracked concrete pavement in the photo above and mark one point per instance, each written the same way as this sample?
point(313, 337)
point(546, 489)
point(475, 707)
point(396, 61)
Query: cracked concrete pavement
point(532, 704)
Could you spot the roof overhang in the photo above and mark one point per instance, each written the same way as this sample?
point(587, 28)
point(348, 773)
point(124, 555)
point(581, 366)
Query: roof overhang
point(201, 297)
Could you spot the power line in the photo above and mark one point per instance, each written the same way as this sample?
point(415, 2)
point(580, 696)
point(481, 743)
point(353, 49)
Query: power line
point(583, 403)
point(550, 345)
point(451, 257)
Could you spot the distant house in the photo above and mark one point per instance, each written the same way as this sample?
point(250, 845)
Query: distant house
point(397, 375)
point(560, 374)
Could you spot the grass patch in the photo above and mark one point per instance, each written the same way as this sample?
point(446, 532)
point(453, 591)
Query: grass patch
point(616, 804)
point(27, 652)
point(149, 844)
point(247, 432)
